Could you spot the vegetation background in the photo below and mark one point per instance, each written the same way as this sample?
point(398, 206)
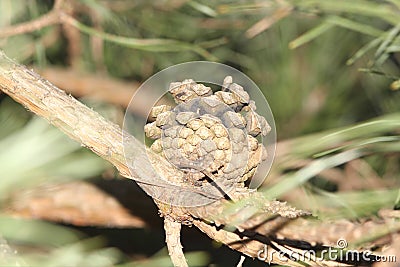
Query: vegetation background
point(329, 70)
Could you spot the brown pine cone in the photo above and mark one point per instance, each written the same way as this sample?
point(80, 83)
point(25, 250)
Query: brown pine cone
point(212, 137)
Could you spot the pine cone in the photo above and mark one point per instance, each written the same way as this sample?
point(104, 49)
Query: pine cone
point(212, 137)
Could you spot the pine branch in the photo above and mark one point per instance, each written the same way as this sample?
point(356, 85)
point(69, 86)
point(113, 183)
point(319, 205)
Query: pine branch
point(172, 238)
point(257, 224)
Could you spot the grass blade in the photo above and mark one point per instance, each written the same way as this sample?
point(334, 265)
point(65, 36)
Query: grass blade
point(203, 8)
point(375, 9)
point(364, 50)
point(303, 175)
point(310, 35)
point(355, 26)
point(381, 53)
point(153, 45)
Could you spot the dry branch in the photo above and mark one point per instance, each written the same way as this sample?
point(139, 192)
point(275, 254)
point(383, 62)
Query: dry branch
point(172, 234)
point(78, 203)
point(270, 224)
point(51, 18)
point(48, 19)
point(83, 125)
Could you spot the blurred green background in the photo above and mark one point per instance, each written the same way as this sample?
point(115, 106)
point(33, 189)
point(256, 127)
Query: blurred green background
point(329, 70)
